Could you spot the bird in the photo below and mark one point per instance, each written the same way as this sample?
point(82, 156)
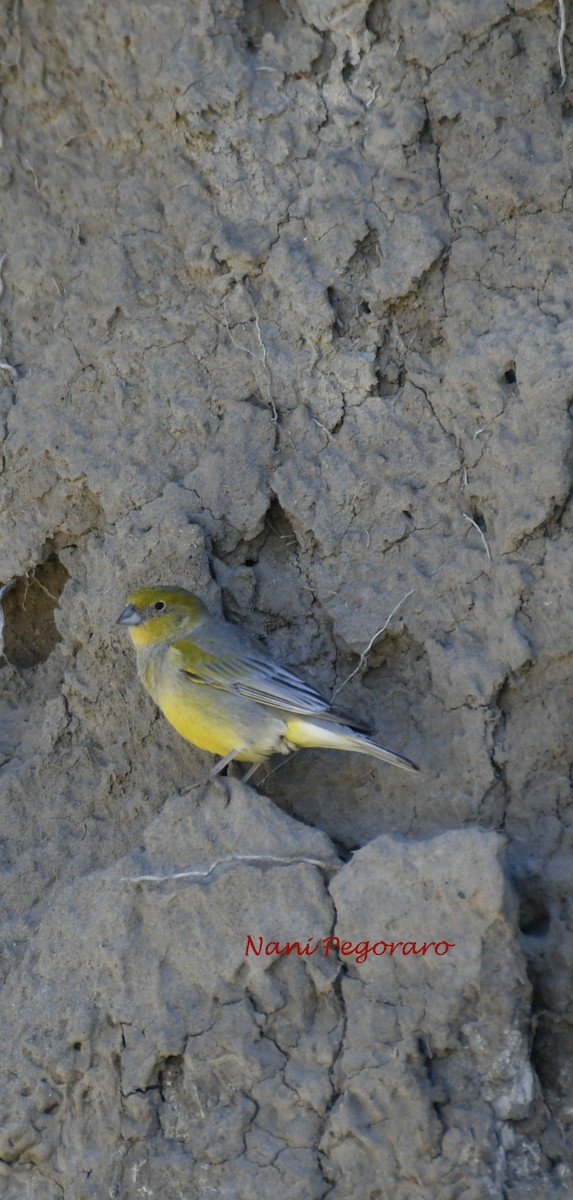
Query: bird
point(221, 691)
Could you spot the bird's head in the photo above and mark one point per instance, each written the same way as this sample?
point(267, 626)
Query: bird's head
point(156, 614)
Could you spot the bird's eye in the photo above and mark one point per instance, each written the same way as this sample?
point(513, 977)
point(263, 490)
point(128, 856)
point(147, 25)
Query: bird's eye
point(159, 605)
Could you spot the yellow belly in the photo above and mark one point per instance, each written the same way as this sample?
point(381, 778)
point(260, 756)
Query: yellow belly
point(211, 718)
point(204, 725)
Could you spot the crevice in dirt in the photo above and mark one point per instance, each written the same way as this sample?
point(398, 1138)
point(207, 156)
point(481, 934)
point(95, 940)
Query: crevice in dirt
point(30, 632)
point(335, 1091)
point(428, 134)
point(377, 20)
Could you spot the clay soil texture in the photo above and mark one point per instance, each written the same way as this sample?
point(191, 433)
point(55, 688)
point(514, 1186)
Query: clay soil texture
point(286, 317)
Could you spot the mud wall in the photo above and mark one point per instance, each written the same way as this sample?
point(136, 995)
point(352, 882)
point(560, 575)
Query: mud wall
point(286, 318)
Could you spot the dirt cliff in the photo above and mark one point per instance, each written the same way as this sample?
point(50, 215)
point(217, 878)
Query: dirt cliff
point(285, 318)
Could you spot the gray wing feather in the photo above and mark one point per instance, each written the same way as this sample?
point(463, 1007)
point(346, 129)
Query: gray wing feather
point(262, 680)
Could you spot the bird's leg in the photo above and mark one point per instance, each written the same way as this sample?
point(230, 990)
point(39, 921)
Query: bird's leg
point(223, 762)
point(251, 771)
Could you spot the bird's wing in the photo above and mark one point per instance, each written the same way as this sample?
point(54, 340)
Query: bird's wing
point(256, 678)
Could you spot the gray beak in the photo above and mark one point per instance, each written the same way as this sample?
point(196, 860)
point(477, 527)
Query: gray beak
point(129, 616)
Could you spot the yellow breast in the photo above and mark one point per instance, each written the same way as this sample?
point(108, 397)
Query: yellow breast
point(211, 718)
point(200, 719)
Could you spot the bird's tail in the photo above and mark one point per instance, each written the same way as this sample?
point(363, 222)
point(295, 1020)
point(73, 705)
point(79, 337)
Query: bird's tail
point(307, 732)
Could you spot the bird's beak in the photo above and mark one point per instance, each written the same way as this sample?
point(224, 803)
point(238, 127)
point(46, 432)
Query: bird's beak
point(130, 616)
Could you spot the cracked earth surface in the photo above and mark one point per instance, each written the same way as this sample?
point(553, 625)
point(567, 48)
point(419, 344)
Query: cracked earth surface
point(285, 317)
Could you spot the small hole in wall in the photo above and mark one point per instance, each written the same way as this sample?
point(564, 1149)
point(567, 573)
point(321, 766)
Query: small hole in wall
point(30, 632)
point(509, 375)
point(534, 915)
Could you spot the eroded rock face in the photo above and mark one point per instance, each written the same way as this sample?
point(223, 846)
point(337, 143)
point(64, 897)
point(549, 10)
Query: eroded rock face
point(286, 318)
point(187, 1007)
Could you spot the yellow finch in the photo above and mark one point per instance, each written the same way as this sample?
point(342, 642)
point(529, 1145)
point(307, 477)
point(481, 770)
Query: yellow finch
point(221, 691)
